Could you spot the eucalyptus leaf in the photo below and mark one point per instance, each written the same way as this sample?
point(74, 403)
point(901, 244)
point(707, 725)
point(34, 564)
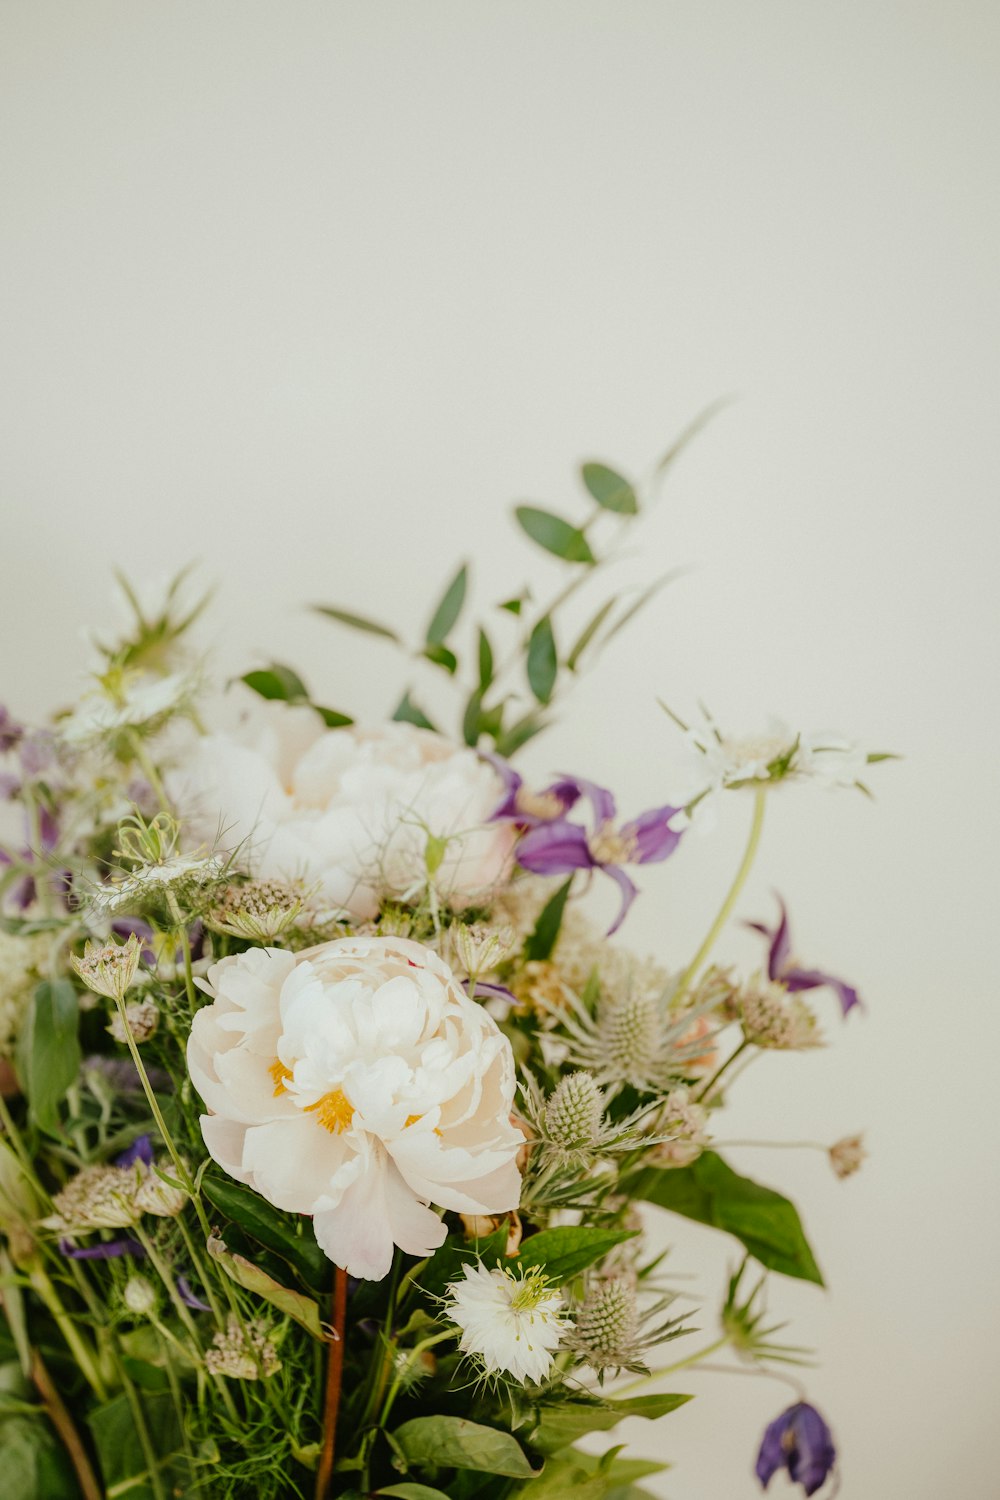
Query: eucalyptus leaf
point(565, 1252)
point(408, 712)
point(519, 733)
point(411, 1492)
point(485, 660)
point(542, 940)
point(331, 718)
point(356, 622)
point(442, 656)
point(446, 615)
point(543, 663)
point(48, 1052)
point(456, 1443)
point(710, 1192)
point(587, 634)
point(610, 489)
point(277, 681)
point(554, 534)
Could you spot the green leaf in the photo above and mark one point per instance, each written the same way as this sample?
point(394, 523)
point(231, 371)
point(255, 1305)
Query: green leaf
point(543, 663)
point(277, 681)
point(35, 1465)
point(408, 712)
point(562, 1425)
point(456, 1443)
point(512, 606)
point(269, 1227)
point(123, 1464)
point(472, 718)
point(562, 1478)
point(331, 718)
point(356, 622)
point(540, 943)
point(48, 1055)
point(710, 1192)
point(519, 734)
point(446, 615)
point(411, 1492)
point(609, 489)
point(303, 1309)
point(554, 534)
point(442, 656)
point(588, 633)
point(565, 1252)
point(485, 660)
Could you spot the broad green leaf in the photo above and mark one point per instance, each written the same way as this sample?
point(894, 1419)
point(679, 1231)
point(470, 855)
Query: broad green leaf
point(35, 1464)
point(609, 489)
point(456, 1443)
point(564, 1477)
point(269, 1226)
point(48, 1055)
point(563, 1253)
point(411, 1492)
point(442, 656)
point(303, 1309)
point(447, 613)
point(277, 681)
point(542, 663)
point(560, 1426)
point(356, 622)
point(485, 660)
point(587, 634)
point(554, 534)
point(710, 1192)
point(123, 1464)
point(408, 712)
point(540, 943)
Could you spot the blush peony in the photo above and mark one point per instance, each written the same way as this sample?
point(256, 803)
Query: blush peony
point(348, 810)
point(356, 1082)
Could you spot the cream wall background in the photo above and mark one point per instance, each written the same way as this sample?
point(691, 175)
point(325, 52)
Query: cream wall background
point(309, 292)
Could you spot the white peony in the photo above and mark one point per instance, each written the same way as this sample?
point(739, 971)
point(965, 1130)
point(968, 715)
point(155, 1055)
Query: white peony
point(356, 1082)
point(347, 810)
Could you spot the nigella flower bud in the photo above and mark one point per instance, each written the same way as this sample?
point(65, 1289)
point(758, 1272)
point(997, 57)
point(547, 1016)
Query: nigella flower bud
point(847, 1155)
point(606, 1325)
point(573, 1113)
point(139, 1295)
point(109, 968)
point(143, 1019)
point(243, 1352)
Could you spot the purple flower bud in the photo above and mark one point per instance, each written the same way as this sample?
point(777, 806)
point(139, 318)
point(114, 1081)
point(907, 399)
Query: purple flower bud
point(781, 966)
point(140, 1150)
point(188, 1297)
point(800, 1442)
point(107, 1250)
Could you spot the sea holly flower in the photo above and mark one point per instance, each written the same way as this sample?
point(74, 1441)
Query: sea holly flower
point(561, 847)
point(786, 970)
point(800, 1442)
point(512, 1322)
point(356, 1082)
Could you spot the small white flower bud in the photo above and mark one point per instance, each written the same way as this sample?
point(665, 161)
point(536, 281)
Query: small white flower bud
point(481, 948)
point(139, 1295)
point(159, 1198)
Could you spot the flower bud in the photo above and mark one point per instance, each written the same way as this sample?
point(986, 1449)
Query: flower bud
point(139, 1295)
point(606, 1325)
point(480, 948)
point(156, 1196)
point(573, 1112)
point(109, 968)
point(847, 1155)
point(259, 911)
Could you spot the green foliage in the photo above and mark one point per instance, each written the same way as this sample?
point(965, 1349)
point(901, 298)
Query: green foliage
point(410, 1492)
point(254, 1279)
point(609, 489)
point(120, 1451)
point(34, 1465)
point(456, 1443)
point(560, 1425)
point(280, 682)
point(446, 1263)
point(270, 1227)
point(542, 940)
point(446, 615)
point(542, 664)
point(554, 534)
point(48, 1051)
point(761, 1219)
point(356, 622)
point(565, 1252)
point(408, 712)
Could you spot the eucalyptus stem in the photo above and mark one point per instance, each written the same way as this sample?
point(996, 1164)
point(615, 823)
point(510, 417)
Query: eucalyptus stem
point(732, 896)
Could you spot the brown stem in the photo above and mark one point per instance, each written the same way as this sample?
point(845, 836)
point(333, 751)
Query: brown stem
point(63, 1424)
point(334, 1375)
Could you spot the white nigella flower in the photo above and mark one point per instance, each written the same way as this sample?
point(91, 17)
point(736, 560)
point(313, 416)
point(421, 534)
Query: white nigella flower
point(185, 878)
point(356, 1082)
point(361, 814)
point(128, 700)
point(510, 1322)
point(778, 754)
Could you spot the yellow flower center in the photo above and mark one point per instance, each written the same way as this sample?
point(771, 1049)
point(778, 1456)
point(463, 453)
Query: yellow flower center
point(279, 1073)
point(334, 1111)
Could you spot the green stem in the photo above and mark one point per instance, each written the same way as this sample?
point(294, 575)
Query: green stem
point(681, 1364)
point(82, 1353)
point(707, 1088)
point(412, 1355)
point(142, 1432)
point(145, 763)
point(732, 896)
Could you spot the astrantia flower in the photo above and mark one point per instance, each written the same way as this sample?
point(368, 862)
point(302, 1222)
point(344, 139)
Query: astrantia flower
point(512, 1323)
point(356, 1082)
point(799, 1441)
point(771, 1017)
point(847, 1155)
point(109, 968)
point(243, 1352)
point(143, 1017)
point(353, 811)
point(258, 910)
point(684, 1124)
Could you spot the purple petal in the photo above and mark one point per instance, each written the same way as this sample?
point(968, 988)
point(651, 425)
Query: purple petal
point(108, 1250)
point(507, 807)
point(629, 892)
point(489, 991)
point(10, 730)
point(771, 1457)
point(140, 1150)
point(600, 799)
point(814, 979)
point(653, 836)
point(813, 1454)
point(188, 1297)
point(555, 849)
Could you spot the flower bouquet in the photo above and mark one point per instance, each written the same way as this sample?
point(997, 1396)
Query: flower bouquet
point(329, 1115)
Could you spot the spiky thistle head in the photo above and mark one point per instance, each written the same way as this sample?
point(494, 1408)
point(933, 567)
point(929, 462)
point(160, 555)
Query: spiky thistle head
point(573, 1114)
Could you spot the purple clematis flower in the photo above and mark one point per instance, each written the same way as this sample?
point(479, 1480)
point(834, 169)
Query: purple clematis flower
point(108, 1250)
point(141, 1149)
point(782, 967)
point(799, 1441)
point(188, 1297)
point(559, 847)
point(524, 807)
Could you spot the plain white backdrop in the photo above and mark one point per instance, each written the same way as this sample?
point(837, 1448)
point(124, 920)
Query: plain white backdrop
point(310, 292)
